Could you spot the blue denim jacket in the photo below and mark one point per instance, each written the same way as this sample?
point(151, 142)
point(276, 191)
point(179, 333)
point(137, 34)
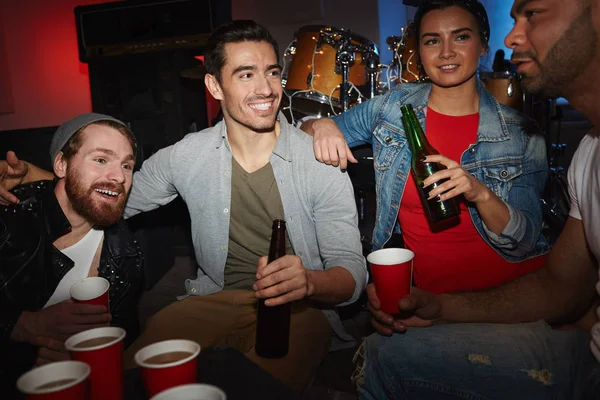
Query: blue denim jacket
point(509, 156)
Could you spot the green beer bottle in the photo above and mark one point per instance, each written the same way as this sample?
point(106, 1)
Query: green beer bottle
point(435, 210)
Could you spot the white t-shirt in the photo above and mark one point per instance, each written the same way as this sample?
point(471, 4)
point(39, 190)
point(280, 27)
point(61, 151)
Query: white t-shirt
point(82, 253)
point(584, 190)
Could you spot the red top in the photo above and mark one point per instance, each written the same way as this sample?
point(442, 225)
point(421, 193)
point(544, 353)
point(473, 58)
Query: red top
point(457, 258)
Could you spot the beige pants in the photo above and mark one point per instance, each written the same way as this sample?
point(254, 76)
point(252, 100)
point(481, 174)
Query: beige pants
point(229, 318)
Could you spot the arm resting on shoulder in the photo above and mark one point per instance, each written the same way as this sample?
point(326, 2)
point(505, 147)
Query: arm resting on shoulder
point(14, 172)
point(153, 185)
point(308, 126)
point(355, 124)
point(333, 137)
point(35, 173)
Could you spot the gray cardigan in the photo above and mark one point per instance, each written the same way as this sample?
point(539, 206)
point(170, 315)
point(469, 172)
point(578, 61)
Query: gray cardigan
point(318, 202)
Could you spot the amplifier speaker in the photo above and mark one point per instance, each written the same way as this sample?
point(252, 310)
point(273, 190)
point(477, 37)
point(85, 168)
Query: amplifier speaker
point(148, 92)
point(138, 52)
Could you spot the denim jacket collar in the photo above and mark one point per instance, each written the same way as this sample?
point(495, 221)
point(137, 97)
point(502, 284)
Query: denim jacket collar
point(490, 116)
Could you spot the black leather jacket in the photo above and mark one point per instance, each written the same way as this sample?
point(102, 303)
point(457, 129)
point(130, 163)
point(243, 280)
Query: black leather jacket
point(31, 267)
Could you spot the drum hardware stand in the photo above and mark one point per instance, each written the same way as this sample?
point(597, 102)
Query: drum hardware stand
point(309, 79)
point(555, 200)
point(510, 91)
point(555, 196)
point(362, 200)
point(345, 59)
point(557, 149)
point(337, 82)
point(364, 193)
point(372, 70)
point(287, 57)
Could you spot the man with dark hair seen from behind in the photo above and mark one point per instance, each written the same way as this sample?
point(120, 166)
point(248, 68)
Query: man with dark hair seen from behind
point(537, 337)
point(62, 232)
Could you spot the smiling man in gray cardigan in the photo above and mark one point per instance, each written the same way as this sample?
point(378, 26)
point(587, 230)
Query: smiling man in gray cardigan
point(236, 178)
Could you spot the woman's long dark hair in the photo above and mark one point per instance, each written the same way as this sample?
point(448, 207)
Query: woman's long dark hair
point(474, 7)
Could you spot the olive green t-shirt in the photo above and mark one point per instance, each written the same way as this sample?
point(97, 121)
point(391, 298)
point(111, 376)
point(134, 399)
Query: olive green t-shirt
point(255, 203)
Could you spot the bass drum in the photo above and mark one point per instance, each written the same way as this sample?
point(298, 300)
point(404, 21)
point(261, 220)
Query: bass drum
point(505, 87)
point(300, 108)
point(313, 73)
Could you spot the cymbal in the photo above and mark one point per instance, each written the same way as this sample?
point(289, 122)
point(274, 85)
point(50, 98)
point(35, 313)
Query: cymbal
point(197, 72)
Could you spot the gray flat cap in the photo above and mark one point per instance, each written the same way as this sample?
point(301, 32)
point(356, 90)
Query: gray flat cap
point(68, 129)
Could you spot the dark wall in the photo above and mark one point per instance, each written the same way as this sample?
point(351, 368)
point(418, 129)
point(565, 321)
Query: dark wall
point(136, 70)
point(31, 145)
point(148, 92)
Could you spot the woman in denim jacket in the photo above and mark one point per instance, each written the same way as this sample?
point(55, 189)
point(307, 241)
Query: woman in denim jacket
point(501, 173)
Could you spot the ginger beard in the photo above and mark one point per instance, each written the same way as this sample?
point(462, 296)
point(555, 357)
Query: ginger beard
point(84, 202)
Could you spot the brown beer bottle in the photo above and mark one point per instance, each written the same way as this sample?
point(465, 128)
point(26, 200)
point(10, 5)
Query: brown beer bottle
point(436, 211)
point(273, 322)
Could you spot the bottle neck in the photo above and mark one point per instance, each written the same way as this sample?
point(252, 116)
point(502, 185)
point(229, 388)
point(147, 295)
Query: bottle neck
point(277, 247)
point(414, 133)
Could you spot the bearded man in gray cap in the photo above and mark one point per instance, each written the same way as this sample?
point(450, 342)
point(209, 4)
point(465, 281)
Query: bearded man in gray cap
point(63, 231)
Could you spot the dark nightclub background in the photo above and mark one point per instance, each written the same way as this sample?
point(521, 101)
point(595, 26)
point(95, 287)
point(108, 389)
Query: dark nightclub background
point(42, 81)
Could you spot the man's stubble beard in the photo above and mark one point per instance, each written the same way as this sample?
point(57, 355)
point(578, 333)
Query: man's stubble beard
point(261, 125)
point(567, 60)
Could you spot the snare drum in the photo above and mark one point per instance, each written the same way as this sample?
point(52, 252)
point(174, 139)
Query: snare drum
point(505, 87)
point(313, 72)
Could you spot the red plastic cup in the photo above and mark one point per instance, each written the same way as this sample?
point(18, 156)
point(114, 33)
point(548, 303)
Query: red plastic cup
point(105, 360)
point(392, 275)
point(92, 290)
point(196, 391)
point(159, 377)
point(74, 374)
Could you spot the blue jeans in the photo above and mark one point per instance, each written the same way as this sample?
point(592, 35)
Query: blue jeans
point(590, 388)
point(477, 361)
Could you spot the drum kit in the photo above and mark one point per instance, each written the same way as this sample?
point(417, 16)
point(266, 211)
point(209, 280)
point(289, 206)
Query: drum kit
point(329, 70)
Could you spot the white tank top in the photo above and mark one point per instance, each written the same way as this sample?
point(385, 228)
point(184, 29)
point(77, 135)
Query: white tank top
point(584, 189)
point(82, 253)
